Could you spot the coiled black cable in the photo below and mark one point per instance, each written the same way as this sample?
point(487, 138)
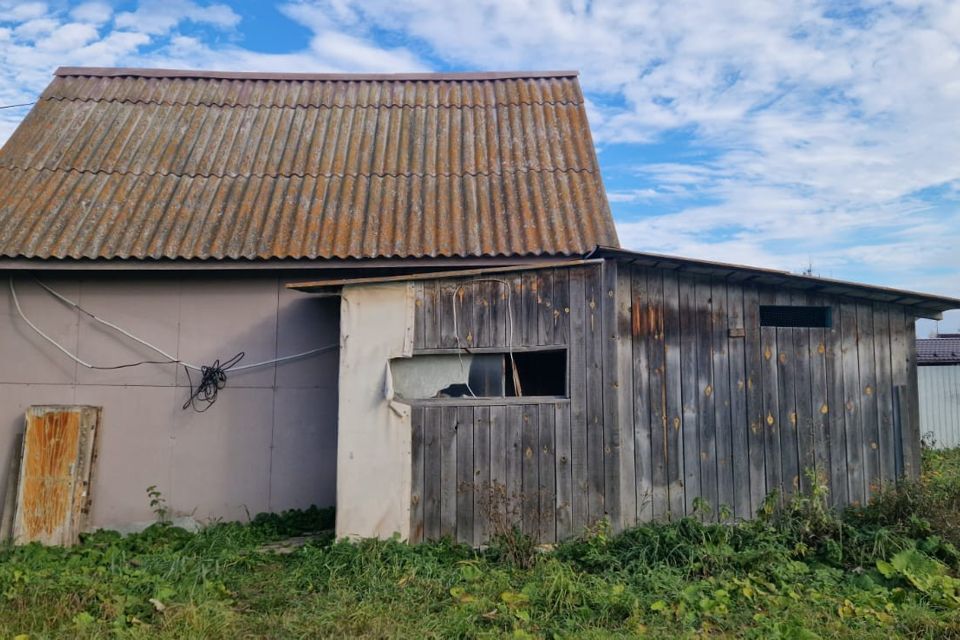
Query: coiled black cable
point(213, 378)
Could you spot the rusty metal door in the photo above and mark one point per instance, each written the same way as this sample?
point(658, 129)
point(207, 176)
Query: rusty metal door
point(53, 492)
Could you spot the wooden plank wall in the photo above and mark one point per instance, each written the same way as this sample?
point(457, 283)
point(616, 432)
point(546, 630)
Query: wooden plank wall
point(679, 402)
point(547, 466)
point(726, 411)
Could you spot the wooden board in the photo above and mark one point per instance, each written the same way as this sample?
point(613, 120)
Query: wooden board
point(642, 323)
point(657, 382)
point(706, 398)
point(866, 357)
point(853, 425)
point(465, 470)
point(56, 470)
point(547, 470)
point(756, 418)
point(770, 391)
point(593, 337)
point(836, 411)
point(674, 399)
point(481, 475)
point(416, 472)
point(884, 394)
point(577, 363)
point(739, 416)
point(787, 368)
point(722, 383)
point(530, 473)
point(564, 449)
point(449, 417)
point(690, 396)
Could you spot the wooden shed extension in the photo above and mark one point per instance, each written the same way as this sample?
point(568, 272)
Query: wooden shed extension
point(674, 390)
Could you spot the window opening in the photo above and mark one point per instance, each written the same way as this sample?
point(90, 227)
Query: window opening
point(795, 316)
point(481, 375)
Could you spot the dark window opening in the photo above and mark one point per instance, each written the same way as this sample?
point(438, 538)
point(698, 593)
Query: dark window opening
point(540, 373)
point(481, 375)
point(772, 315)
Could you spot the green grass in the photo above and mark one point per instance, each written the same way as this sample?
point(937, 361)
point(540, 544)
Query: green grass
point(888, 570)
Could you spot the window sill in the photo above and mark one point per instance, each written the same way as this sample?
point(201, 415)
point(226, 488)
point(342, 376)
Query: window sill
point(482, 402)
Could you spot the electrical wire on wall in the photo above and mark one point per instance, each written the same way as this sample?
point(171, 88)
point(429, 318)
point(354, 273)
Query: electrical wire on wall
point(513, 365)
point(213, 377)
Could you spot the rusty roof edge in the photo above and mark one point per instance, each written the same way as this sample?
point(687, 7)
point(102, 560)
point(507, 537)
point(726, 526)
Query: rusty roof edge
point(926, 302)
point(119, 72)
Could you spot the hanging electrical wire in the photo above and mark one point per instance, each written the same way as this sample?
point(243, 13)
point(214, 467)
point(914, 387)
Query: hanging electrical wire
point(14, 106)
point(213, 377)
point(513, 365)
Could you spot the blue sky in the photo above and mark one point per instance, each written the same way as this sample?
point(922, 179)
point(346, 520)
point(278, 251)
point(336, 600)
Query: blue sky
point(782, 134)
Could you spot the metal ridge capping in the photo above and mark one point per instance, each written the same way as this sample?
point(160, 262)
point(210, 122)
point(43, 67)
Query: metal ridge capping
point(115, 72)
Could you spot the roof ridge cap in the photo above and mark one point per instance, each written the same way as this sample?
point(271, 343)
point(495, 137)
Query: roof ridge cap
point(119, 72)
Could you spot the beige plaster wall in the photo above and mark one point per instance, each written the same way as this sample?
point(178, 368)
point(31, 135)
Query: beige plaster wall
point(374, 455)
point(268, 444)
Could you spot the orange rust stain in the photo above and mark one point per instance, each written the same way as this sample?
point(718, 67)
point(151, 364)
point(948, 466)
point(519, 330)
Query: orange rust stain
point(50, 451)
point(767, 354)
point(637, 326)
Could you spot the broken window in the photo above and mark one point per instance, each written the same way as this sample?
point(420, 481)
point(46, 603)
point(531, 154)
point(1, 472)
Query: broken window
point(772, 315)
point(481, 375)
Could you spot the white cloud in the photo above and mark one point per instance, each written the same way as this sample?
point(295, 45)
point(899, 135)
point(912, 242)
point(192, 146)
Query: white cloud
point(823, 133)
point(93, 12)
point(160, 16)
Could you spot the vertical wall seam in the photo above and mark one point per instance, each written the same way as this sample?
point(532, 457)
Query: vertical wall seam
point(273, 397)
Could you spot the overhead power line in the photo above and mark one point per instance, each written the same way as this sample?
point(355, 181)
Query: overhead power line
point(13, 106)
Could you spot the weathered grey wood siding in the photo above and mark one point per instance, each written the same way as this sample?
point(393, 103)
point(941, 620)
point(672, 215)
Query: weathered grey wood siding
point(763, 407)
point(544, 464)
point(679, 402)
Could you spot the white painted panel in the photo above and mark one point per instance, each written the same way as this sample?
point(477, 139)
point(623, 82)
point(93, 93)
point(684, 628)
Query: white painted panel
point(374, 440)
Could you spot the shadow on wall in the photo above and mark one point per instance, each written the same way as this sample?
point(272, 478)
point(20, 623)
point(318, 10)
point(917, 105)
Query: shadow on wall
point(269, 442)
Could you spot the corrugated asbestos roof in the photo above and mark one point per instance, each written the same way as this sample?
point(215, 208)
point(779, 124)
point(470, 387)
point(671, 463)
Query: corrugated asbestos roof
point(944, 349)
point(124, 163)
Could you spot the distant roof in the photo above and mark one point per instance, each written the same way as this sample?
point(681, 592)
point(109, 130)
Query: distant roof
point(168, 164)
point(944, 349)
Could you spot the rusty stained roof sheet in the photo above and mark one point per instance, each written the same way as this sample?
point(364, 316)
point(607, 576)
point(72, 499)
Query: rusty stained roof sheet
point(157, 164)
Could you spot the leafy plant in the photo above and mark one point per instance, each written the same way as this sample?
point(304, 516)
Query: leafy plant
point(158, 504)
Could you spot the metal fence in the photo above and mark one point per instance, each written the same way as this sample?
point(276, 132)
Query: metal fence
point(940, 405)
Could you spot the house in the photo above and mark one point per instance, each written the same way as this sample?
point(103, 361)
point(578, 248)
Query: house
point(938, 373)
point(412, 286)
point(176, 205)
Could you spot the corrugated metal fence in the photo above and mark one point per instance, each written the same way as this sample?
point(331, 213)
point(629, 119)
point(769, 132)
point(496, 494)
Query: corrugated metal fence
point(940, 405)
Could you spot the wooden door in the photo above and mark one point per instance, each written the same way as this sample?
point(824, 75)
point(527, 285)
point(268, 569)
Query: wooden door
point(55, 473)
